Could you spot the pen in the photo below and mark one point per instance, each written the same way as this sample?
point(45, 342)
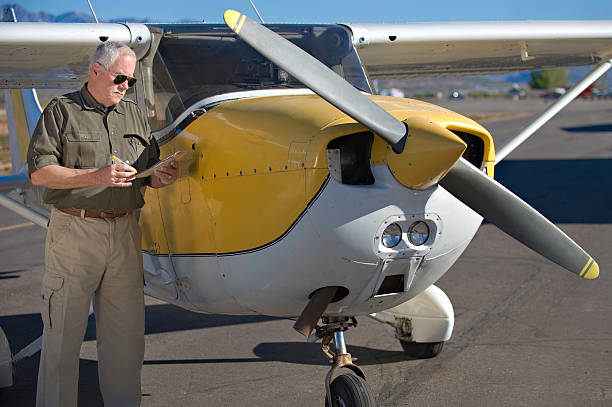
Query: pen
point(115, 158)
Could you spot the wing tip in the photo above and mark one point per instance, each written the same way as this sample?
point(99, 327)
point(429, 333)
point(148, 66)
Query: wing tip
point(590, 270)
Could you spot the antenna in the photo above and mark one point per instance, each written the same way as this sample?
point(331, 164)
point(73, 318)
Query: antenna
point(256, 11)
point(9, 15)
point(92, 11)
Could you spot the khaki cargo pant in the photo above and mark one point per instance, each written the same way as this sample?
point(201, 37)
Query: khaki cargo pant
point(101, 259)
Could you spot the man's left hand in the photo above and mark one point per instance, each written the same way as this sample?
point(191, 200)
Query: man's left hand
point(165, 175)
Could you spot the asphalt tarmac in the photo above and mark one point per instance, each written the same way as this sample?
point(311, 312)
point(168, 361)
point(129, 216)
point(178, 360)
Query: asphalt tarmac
point(527, 333)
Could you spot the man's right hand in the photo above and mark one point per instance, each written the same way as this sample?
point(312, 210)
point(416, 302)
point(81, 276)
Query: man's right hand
point(116, 175)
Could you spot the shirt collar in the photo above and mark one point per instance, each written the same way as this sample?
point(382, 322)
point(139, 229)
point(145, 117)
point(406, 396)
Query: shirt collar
point(89, 103)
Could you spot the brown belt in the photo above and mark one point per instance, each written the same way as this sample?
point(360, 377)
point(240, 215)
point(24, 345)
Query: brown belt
point(84, 213)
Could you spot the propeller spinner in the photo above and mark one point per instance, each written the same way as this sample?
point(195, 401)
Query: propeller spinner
point(475, 189)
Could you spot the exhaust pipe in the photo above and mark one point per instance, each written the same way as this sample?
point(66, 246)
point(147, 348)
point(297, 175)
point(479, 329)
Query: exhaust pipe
point(319, 300)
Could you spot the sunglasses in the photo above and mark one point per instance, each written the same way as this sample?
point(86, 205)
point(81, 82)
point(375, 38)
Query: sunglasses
point(122, 78)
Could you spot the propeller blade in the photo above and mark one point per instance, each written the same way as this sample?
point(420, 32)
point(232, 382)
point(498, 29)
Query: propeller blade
point(498, 205)
point(318, 77)
point(478, 191)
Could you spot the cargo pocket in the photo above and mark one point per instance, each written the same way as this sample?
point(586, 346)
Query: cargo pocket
point(51, 286)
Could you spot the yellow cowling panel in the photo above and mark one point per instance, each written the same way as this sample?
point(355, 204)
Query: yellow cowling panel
point(189, 226)
point(429, 153)
point(253, 166)
point(403, 109)
point(248, 176)
point(255, 210)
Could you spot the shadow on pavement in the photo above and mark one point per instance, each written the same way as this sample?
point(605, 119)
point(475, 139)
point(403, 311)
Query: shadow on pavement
point(23, 329)
point(301, 353)
point(565, 191)
point(5, 275)
point(599, 128)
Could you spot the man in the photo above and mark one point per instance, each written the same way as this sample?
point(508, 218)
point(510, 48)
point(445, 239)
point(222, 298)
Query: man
point(93, 241)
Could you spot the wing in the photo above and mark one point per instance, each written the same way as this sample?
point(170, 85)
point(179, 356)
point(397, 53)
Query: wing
point(56, 55)
point(47, 55)
point(474, 48)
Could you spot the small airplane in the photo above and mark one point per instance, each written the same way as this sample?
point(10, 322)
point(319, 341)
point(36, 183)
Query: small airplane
point(302, 194)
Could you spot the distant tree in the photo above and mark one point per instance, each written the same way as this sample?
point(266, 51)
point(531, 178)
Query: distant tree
point(549, 78)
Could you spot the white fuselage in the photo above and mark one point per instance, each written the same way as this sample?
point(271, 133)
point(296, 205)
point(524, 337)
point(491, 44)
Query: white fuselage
point(336, 242)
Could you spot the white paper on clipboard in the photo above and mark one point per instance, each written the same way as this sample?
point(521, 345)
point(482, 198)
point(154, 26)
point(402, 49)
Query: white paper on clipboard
point(166, 161)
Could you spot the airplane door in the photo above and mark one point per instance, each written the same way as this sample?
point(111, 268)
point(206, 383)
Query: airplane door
point(159, 275)
point(160, 279)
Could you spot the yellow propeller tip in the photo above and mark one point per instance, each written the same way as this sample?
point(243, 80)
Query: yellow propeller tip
point(591, 270)
point(233, 20)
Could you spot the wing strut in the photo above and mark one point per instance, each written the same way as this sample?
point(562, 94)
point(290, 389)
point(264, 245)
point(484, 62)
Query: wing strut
point(553, 109)
point(23, 211)
point(8, 361)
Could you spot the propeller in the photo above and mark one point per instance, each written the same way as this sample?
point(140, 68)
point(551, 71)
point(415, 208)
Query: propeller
point(484, 195)
point(498, 205)
point(315, 75)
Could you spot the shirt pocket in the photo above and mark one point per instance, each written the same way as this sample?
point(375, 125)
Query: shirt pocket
point(138, 154)
point(85, 149)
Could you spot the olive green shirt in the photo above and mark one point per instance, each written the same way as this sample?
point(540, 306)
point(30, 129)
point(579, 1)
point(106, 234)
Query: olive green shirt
point(75, 131)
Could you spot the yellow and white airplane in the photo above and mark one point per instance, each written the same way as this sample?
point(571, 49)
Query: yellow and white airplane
point(302, 194)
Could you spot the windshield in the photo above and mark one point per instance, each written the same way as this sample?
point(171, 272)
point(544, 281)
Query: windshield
point(196, 61)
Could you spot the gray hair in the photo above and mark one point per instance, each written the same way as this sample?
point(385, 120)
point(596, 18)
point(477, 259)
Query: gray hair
point(109, 51)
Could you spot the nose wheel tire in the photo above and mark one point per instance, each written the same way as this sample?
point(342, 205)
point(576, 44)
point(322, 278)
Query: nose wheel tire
point(420, 350)
point(349, 390)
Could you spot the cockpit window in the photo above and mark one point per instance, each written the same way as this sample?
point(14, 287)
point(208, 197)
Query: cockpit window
point(196, 61)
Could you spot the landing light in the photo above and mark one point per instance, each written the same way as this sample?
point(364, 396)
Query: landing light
point(392, 235)
point(418, 233)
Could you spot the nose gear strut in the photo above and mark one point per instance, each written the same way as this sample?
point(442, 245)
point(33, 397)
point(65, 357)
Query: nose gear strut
point(345, 387)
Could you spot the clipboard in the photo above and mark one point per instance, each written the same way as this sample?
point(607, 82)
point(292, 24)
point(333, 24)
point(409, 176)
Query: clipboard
point(166, 161)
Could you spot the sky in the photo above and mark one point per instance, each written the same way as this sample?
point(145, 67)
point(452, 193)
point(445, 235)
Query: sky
point(335, 11)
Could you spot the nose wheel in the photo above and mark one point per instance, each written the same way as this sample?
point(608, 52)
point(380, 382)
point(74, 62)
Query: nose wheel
point(347, 389)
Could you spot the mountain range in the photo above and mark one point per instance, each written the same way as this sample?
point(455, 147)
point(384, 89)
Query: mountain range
point(71, 17)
